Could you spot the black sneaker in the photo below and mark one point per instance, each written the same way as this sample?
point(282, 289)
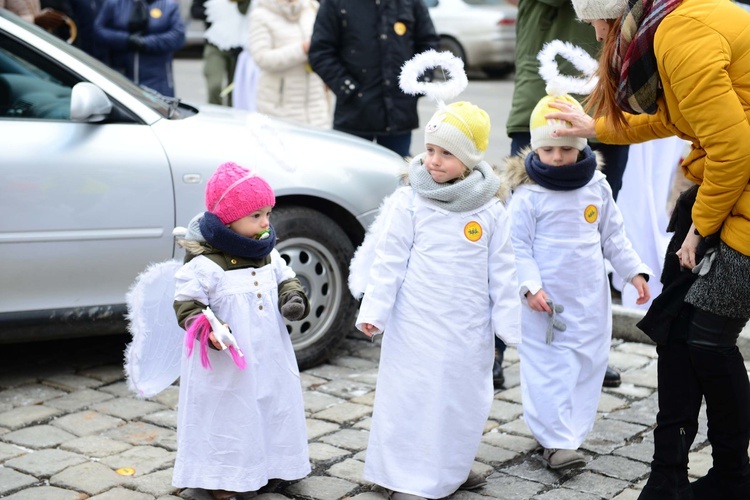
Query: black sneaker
point(611, 378)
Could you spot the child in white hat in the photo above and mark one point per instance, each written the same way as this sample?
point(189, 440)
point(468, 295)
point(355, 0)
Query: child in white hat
point(565, 223)
point(241, 421)
point(441, 284)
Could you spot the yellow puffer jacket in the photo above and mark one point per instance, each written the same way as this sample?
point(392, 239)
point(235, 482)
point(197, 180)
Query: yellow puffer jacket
point(703, 54)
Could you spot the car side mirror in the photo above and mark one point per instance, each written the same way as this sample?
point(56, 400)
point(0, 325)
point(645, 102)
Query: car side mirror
point(89, 103)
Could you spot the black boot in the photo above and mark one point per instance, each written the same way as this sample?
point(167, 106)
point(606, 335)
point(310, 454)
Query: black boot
point(676, 422)
point(611, 378)
point(721, 371)
point(498, 378)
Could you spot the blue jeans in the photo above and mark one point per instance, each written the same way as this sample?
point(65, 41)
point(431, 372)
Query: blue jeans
point(400, 143)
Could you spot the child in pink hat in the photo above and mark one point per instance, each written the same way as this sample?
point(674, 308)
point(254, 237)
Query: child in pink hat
point(241, 419)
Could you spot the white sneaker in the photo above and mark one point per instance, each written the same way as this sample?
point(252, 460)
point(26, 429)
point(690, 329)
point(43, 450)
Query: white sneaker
point(560, 459)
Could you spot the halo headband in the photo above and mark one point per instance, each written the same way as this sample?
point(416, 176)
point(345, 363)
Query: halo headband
point(558, 84)
point(412, 69)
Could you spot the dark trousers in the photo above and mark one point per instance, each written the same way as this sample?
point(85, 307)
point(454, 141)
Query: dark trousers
point(701, 359)
point(400, 143)
point(615, 159)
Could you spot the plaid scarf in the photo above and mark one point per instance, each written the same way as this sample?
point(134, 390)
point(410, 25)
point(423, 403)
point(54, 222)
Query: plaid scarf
point(634, 57)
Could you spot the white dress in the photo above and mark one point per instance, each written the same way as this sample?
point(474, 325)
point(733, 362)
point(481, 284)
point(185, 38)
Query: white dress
point(442, 283)
point(560, 240)
point(236, 429)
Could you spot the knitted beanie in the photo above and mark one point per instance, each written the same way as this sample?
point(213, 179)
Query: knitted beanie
point(541, 128)
point(234, 192)
point(589, 10)
point(461, 128)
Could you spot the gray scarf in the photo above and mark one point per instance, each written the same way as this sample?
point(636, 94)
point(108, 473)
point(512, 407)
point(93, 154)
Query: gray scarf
point(463, 195)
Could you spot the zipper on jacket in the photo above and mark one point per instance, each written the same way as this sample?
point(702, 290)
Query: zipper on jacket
point(136, 67)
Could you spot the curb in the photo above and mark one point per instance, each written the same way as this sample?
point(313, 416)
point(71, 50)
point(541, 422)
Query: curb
point(624, 320)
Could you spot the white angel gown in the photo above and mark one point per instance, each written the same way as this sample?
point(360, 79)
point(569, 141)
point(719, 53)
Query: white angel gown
point(440, 285)
point(560, 240)
point(236, 429)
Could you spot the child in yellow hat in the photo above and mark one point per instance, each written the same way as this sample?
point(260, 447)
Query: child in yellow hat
point(564, 224)
point(440, 284)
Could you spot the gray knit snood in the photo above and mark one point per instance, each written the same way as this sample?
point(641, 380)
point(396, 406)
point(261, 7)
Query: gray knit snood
point(463, 195)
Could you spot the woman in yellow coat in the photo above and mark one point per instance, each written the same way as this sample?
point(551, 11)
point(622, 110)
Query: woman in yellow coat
point(682, 67)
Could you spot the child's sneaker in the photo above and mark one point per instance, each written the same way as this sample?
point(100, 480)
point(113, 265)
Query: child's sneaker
point(559, 459)
point(473, 482)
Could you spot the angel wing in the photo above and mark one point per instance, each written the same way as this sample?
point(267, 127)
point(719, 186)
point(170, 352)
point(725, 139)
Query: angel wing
point(152, 359)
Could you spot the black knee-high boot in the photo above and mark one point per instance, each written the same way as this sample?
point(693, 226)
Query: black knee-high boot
point(721, 372)
point(677, 420)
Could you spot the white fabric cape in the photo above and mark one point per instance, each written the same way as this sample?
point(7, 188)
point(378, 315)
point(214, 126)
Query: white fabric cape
point(152, 359)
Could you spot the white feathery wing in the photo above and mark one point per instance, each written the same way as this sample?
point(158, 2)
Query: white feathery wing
point(152, 359)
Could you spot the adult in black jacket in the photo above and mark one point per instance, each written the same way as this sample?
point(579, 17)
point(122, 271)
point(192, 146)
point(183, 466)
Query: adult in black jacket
point(358, 48)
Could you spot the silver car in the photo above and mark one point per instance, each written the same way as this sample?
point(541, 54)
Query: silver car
point(481, 32)
point(96, 172)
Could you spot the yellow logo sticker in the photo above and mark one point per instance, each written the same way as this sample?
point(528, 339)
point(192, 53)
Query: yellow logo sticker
point(399, 28)
point(473, 231)
point(126, 471)
point(155, 13)
point(591, 213)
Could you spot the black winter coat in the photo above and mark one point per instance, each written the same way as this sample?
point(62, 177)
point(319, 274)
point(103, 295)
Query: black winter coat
point(358, 48)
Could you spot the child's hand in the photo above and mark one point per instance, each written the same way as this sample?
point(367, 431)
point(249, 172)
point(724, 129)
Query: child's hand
point(538, 301)
point(369, 329)
point(215, 342)
point(644, 293)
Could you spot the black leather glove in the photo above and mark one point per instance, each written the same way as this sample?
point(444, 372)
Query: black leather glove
point(293, 307)
point(136, 42)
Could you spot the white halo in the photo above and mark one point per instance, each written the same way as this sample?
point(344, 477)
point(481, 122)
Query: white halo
point(430, 59)
point(558, 84)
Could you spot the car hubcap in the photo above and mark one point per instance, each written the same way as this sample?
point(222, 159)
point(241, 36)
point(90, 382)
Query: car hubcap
point(322, 280)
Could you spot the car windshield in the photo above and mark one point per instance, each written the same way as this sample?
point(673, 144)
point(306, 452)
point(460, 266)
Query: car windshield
point(157, 102)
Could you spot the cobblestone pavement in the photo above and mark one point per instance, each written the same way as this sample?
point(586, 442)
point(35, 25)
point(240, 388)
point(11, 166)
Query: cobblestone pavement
point(68, 424)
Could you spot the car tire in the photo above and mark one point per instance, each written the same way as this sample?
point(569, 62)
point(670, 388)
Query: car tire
point(452, 46)
point(319, 252)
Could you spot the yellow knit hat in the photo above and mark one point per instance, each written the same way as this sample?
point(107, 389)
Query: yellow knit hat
point(461, 128)
point(541, 128)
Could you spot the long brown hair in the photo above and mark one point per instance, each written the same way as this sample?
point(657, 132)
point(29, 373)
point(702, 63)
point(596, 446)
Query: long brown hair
point(602, 99)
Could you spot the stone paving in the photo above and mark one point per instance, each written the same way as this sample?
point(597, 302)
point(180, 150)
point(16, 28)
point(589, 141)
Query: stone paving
point(69, 429)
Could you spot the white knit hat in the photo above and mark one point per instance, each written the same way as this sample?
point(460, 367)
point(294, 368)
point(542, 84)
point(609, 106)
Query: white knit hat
point(589, 10)
point(461, 128)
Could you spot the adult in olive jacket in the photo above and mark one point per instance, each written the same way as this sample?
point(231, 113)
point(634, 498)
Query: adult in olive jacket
point(358, 48)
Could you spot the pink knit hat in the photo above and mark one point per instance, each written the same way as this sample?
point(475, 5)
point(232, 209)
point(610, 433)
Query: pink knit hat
point(234, 192)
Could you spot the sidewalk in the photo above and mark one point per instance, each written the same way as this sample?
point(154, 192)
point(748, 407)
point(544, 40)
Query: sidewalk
point(70, 429)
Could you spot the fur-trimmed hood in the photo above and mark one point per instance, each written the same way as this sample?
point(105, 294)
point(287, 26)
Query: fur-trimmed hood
point(514, 174)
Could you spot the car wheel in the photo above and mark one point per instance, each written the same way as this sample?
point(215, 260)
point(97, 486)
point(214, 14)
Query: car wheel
point(452, 46)
point(319, 252)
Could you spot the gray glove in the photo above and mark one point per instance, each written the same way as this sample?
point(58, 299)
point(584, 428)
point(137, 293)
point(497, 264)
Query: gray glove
point(554, 323)
point(293, 307)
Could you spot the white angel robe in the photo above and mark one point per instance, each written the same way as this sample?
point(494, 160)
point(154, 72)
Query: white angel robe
point(560, 239)
point(646, 183)
point(440, 285)
point(236, 429)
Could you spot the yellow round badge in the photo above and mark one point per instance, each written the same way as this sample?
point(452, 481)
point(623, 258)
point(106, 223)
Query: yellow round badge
point(126, 471)
point(591, 213)
point(155, 13)
point(473, 231)
point(399, 28)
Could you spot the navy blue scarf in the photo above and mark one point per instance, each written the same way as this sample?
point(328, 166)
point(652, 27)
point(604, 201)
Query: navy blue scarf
point(218, 235)
point(563, 178)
